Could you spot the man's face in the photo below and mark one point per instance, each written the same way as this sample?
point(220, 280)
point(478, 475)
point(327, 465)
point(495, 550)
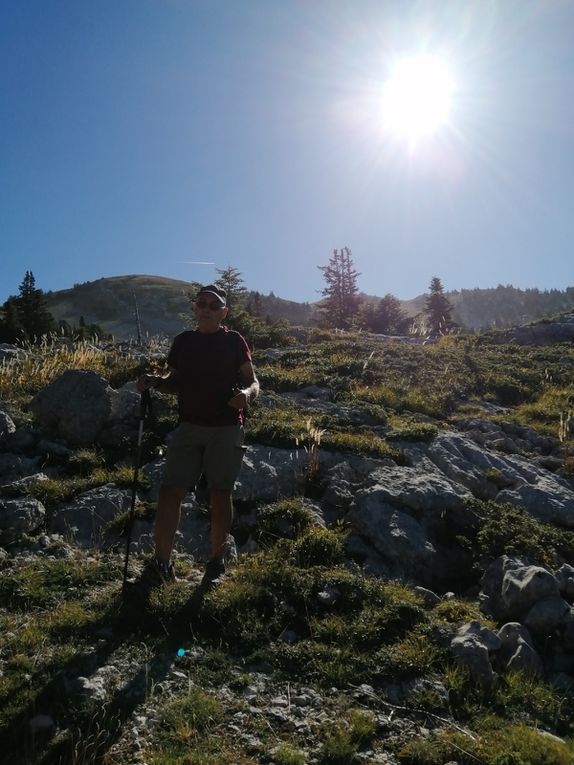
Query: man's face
point(209, 312)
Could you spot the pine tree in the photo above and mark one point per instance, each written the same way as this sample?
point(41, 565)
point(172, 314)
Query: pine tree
point(231, 281)
point(438, 309)
point(32, 309)
point(389, 317)
point(11, 329)
point(340, 291)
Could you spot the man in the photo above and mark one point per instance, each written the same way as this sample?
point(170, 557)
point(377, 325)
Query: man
point(212, 373)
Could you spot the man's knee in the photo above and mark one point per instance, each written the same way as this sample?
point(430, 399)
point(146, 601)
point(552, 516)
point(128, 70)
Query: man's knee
point(220, 493)
point(221, 500)
point(171, 494)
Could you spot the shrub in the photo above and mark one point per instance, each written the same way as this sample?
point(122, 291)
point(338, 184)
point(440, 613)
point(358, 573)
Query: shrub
point(287, 518)
point(510, 530)
point(319, 547)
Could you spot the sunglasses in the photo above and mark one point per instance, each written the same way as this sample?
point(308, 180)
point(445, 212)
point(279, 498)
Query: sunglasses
point(214, 306)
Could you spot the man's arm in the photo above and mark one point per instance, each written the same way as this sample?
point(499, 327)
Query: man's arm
point(167, 384)
point(250, 387)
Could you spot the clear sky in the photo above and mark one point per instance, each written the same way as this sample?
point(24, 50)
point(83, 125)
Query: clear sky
point(137, 136)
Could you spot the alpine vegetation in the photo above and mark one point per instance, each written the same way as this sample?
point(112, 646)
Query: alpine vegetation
point(399, 579)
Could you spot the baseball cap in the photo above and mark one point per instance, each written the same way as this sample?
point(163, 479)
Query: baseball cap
point(211, 289)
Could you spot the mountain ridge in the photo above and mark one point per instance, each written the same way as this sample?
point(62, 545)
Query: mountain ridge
point(163, 302)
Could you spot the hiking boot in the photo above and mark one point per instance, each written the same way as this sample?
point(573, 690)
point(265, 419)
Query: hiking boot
point(214, 573)
point(156, 574)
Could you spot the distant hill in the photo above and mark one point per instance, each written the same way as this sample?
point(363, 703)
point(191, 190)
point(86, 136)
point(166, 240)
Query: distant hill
point(110, 303)
point(499, 307)
point(161, 302)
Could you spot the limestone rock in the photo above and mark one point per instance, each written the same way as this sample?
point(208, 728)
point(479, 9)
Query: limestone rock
point(546, 614)
point(469, 649)
point(86, 517)
point(7, 426)
point(511, 586)
point(523, 587)
point(78, 404)
point(565, 579)
point(23, 515)
point(518, 652)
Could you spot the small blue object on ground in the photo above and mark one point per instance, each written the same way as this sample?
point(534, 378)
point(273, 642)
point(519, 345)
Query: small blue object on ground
point(181, 652)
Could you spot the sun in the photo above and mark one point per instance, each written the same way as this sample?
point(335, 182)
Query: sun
point(417, 98)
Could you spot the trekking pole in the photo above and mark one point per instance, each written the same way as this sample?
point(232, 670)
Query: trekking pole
point(145, 407)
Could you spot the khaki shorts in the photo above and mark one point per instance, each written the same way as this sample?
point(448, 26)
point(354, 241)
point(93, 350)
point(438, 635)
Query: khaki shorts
point(195, 449)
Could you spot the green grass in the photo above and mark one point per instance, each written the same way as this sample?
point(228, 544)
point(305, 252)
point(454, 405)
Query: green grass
point(510, 530)
point(373, 631)
point(185, 736)
point(286, 754)
point(56, 491)
point(342, 741)
point(500, 744)
point(42, 583)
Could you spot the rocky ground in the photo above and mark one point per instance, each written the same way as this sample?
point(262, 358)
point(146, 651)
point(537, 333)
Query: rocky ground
point(428, 515)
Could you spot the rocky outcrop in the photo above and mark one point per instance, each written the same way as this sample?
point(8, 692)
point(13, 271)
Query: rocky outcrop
point(21, 516)
point(78, 405)
point(543, 333)
point(86, 518)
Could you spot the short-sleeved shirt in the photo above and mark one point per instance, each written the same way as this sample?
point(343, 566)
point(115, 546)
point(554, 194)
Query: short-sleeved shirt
point(207, 373)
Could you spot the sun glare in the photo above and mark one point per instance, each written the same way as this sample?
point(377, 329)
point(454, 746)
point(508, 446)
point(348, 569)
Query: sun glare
point(417, 98)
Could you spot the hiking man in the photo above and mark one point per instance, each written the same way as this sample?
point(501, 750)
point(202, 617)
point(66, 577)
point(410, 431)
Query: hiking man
point(212, 374)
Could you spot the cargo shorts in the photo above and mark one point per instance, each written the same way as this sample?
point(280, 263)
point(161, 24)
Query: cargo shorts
point(217, 452)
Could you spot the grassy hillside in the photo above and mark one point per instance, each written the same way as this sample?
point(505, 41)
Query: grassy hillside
point(232, 697)
point(109, 302)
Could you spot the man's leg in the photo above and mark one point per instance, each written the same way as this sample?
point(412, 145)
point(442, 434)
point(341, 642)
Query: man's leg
point(167, 521)
point(221, 519)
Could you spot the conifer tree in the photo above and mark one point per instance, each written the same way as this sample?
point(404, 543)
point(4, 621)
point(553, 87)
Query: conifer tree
point(438, 309)
point(231, 281)
point(340, 291)
point(11, 329)
point(32, 310)
point(389, 316)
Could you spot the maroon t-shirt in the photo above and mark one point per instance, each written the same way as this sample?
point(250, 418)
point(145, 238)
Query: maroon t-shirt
point(207, 372)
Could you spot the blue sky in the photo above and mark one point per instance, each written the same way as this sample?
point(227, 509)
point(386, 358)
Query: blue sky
point(137, 136)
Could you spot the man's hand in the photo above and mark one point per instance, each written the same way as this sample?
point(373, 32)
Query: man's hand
point(239, 400)
point(145, 382)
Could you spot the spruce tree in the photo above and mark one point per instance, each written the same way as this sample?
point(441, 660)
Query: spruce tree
point(32, 310)
point(11, 329)
point(231, 281)
point(389, 317)
point(438, 309)
point(341, 291)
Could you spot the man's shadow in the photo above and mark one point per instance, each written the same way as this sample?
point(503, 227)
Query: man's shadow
point(92, 730)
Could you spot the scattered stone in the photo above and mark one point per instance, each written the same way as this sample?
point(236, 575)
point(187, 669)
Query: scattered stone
point(565, 578)
point(510, 587)
point(470, 649)
point(7, 426)
point(289, 636)
point(546, 614)
point(23, 515)
point(41, 724)
point(518, 652)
